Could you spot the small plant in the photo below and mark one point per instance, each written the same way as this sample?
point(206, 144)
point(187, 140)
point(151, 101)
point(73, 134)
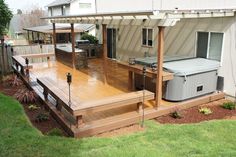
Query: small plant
point(205, 110)
point(26, 96)
point(33, 107)
point(176, 114)
point(55, 132)
point(229, 105)
point(42, 117)
point(13, 81)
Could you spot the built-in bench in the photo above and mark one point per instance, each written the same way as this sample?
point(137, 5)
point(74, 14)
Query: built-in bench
point(19, 61)
point(78, 109)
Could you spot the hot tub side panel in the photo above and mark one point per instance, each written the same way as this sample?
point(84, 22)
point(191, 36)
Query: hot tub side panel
point(186, 87)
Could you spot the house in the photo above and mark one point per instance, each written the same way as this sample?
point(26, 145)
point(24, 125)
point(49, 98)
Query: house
point(43, 34)
point(176, 54)
point(71, 7)
point(192, 29)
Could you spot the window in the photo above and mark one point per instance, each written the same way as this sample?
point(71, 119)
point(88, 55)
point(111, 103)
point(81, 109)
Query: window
point(63, 10)
point(147, 37)
point(209, 45)
point(50, 11)
point(85, 5)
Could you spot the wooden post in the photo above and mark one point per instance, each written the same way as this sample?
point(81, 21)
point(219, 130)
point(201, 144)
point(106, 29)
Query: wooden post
point(32, 37)
point(54, 37)
point(28, 36)
point(79, 121)
point(2, 58)
point(104, 48)
point(139, 107)
point(159, 65)
point(38, 37)
point(73, 44)
point(131, 80)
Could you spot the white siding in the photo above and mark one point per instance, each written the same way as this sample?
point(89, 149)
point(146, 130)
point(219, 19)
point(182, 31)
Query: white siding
point(75, 7)
point(195, 4)
point(144, 5)
point(56, 11)
point(181, 40)
point(123, 5)
point(228, 69)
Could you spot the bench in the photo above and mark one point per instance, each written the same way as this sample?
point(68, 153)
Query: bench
point(20, 61)
point(111, 102)
point(78, 109)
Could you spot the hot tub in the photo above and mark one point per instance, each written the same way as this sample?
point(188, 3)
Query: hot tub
point(192, 78)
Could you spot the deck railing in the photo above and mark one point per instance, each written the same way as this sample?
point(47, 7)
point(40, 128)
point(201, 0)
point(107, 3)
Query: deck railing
point(6, 53)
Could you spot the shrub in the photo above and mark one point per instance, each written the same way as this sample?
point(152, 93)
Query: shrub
point(26, 96)
point(205, 110)
point(33, 107)
point(92, 39)
point(176, 114)
point(42, 117)
point(229, 105)
point(13, 80)
point(55, 132)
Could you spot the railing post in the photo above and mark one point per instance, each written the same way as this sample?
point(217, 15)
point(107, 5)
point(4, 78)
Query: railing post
point(79, 121)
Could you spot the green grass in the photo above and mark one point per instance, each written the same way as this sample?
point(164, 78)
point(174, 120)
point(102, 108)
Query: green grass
point(19, 138)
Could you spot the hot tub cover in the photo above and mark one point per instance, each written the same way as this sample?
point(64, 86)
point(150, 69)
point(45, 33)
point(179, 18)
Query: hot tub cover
point(153, 60)
point(191, 66)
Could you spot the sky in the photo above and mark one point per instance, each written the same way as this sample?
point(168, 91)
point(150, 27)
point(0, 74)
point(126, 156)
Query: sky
point(26, 5)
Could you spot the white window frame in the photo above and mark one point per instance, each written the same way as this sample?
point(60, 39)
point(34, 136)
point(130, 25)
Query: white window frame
point(147, 28)
point(89, 5)
point(208, 44)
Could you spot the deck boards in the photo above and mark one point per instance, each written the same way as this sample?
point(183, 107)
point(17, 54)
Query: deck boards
point(88, 84)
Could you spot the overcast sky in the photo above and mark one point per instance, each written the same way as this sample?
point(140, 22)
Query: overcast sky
point(26, 5)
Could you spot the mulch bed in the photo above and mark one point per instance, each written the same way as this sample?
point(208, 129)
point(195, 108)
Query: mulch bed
point(192, 115)
point(45, 126)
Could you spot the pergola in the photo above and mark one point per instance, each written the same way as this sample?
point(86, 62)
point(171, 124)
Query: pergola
point(160, 19)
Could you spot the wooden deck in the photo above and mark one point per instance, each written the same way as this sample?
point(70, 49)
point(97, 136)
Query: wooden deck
point(95, 83)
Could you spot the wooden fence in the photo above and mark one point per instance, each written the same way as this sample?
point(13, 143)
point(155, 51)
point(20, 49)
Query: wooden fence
point(6, 53)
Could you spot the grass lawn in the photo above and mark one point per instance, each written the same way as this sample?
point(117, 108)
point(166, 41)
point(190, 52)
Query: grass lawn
point(19, 138)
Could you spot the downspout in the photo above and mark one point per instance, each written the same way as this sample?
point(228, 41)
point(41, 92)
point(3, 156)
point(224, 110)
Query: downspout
point(96, 11)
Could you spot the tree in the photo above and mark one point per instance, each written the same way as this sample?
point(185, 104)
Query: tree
point(32, 18)
point(5, 17)
point(19, 12)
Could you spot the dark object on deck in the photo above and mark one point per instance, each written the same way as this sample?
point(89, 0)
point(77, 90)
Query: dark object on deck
point(69, 80)
point(82, 42)
point(220, 83)
point(131, 61)
point(27, 61)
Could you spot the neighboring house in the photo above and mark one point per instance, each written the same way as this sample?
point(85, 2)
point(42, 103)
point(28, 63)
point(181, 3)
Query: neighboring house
point(201, 28)
point(71, 7)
